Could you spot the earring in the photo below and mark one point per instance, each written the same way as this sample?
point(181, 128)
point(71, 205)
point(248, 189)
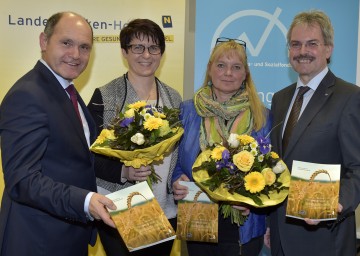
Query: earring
point(209, 83)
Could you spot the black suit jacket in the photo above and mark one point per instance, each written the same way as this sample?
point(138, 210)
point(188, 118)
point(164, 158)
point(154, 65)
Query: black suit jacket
point(327, 132)
point(48, 169)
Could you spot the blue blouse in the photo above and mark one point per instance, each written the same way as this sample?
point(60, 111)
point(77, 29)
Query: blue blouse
point(189, 149)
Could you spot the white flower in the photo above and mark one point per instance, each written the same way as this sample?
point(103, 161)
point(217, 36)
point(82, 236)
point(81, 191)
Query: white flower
point(254, 152)
point(254, 145)
point(233, 141)
point(146, 116)
point(279, 167)
point(138, 138)
point(143, 111)
point(261, 158)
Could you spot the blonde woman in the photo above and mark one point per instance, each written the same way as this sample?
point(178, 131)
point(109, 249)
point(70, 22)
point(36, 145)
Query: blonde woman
point(226, 103)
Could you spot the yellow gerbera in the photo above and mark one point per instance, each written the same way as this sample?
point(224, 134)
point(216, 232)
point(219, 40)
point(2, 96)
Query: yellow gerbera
point(216, 153)
point(153, 123)
point(254, 182)
point(105, 135)
point(245, 139)
point(137, 105)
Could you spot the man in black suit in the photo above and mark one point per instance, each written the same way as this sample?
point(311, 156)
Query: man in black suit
point(48, 201)
point(326, 132)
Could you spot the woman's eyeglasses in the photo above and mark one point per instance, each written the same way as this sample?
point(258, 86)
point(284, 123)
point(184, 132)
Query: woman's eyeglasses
point(225, 39)
point(139, 49)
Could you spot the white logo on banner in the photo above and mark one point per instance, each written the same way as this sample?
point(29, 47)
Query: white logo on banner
point(253, 50)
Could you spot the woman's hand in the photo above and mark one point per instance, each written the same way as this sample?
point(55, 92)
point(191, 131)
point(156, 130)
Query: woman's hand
point(136, 174)
point(267, 238)
point(180, 191)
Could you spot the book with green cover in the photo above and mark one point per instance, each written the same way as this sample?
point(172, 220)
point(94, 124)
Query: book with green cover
point(139, 218)
point(197, 216)
point(314, 191)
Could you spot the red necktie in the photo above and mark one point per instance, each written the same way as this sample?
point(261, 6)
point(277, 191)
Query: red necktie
point(294, 115)
point(73, 97)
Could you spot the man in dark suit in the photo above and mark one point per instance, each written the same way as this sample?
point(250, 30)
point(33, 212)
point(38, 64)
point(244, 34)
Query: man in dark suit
point(327, 132)
point(48, 203)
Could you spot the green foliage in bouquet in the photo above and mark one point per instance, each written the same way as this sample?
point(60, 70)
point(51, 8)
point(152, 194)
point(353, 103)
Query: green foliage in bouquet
point(142, 126)
point(242, 168)
point(140, 135)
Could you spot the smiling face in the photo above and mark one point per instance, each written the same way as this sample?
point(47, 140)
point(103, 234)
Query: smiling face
point(142, 64)
point(227, 74)
point(67, 51)
point(311, 58)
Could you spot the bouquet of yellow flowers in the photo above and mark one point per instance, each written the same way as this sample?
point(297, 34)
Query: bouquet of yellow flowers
point(140, 135)
point(242, 170)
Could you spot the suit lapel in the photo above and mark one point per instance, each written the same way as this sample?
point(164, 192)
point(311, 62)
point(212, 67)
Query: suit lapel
point(74, 119)
point(280, 115)
point(317, 101)
point(54, 88)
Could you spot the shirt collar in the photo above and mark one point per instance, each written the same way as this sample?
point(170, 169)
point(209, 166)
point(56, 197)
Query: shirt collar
point(314, 83)
point(64, 83)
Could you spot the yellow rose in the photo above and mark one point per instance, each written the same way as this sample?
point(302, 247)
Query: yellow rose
point(269, 176)
point(216, 153)
point(243, 160)
point(165, 128)
point(129, 113)
point(254, 182)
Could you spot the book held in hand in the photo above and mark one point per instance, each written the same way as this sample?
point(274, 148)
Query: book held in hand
point(139, 218)
point(314, 191)
point(197, 216)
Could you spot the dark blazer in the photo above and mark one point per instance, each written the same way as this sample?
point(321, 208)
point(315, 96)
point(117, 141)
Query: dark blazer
point(327, 132)
point(48, 169)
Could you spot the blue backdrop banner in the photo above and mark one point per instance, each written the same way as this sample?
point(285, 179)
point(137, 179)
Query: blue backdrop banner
point(263, 24)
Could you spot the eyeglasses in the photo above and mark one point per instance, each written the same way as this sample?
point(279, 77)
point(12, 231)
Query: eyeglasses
point(225, 39)
point(139, 49)
point(311, 45)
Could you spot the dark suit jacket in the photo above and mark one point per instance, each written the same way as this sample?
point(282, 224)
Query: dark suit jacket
point(48, 169)
point(327, 132)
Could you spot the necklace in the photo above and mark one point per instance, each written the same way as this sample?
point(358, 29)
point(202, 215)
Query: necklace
point(157, 82)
